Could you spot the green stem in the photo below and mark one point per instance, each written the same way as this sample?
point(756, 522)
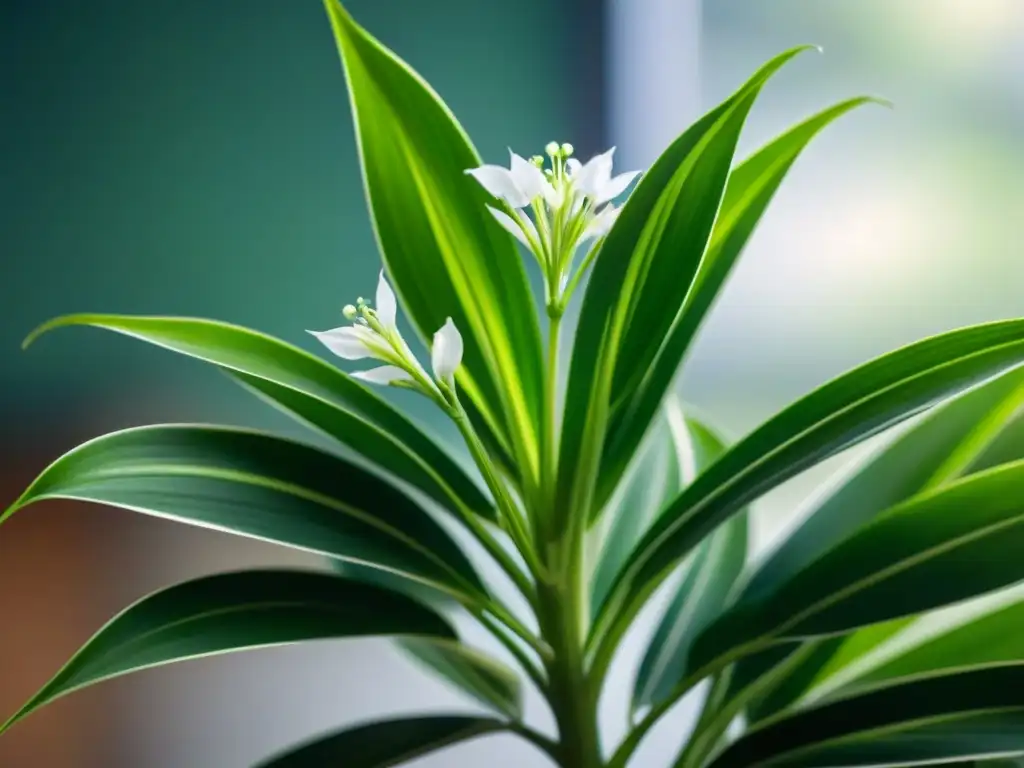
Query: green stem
point(509, 512)
point(502, 557)
point(572, 695)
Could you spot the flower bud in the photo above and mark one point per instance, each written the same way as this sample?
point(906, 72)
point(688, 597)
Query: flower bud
point(537, 160)
point(552, 149)
point(567, 150)
point(350, 312)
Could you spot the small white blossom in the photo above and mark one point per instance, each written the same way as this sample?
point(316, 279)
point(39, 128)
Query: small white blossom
point(569, 203)
point(594, 178)
point(601, 224)
point(446, 351)
point(385, 374)
point(519, 185)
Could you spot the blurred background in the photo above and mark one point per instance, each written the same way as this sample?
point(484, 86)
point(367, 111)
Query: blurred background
point(198, 158)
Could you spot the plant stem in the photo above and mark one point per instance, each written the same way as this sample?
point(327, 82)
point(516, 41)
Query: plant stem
point(571, 694)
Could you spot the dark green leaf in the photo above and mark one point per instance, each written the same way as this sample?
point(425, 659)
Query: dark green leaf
point(446, 254)
point(310, 389)
point(836, 416)
point(750, 189)
point(941, 717)
point(234, 612)
point(640, 280)
point(702, 596)
point(260, 486)
point(385, 743)
point(944, 444)
point(936, 549)
point(966, 636)
point(936, 450)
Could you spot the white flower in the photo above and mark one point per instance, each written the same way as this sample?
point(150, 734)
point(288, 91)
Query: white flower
point(594, 178)
point(446, 351)
point(353, 342)
point(519, 185)
point(385, 374)
point(522, 230)
point(601, 224)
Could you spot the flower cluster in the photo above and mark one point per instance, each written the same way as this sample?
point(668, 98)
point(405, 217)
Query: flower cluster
point(374, 334)
point(570, 202)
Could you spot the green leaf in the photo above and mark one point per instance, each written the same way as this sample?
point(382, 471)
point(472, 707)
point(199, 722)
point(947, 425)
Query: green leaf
point(838, 415)
point(234, 612)
point(750, 188)
point(640, 280)
point(978, 633)
point(936, 450)
point(264, 487)
point(657, 477)
point(310, 389)
point(385, 743)
point(444, 251)
point(935, 549)
point(701, 597)
point(973, 713)
point(479, 676)
point(482, 677)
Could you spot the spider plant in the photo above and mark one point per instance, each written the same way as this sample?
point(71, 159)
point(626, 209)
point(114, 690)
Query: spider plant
point(884, 630)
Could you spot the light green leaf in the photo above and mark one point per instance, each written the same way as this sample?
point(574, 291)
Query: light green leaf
point(750, 189)
point(264, 487)
point(703, 594)
point(484, 678)
point(234, 612)
point(974, 713)
point(843, 412)
point(977, 633)
point(936, 549)
point(385, 743)
point(311, 390)
point(444, 251)
point(657, 477)
point(480, 676)
point(640, 279)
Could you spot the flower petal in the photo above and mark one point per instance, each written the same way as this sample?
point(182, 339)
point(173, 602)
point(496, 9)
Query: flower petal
point(528, 178)
point(446, 352)
point(501, 183)
point(352, 342)
point(387, 307)
point(601, 224)
point(594, 175)
point(386, 374)
point(616, 186)
point(511, 225)
point(572, 166)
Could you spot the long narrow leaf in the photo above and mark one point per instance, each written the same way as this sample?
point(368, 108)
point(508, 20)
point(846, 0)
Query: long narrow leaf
point(480, 676)
point(641, 278)
point(935, 718)
point(234, 612)
point(843, 412)
point(261, 486)
point(385, 743)
point(702, 595)
point(310, 389)
point(750, 189)
point(940, 548)
point(937, 450)
point(446, 254)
